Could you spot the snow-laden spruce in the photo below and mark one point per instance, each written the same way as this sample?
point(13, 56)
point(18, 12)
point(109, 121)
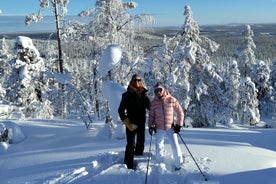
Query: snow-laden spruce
point(27, 85)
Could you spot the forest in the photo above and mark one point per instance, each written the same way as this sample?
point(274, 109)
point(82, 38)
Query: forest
point(221, 74)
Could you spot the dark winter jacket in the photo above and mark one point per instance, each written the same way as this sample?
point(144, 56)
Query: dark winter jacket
point(133, 106)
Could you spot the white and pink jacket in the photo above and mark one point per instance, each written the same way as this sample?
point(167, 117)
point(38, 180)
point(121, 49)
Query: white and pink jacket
point(162, 112)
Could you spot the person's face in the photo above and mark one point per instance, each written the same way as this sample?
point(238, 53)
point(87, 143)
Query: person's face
point(159, 92)
point(137, 81)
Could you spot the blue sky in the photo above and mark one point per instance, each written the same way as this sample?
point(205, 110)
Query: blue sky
point(170, 12)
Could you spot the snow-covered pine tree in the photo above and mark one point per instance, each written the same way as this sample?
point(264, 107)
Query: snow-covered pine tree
point(260, 76)
point(196, 82)
point(244, 54)
point(248, 103)
point(27, 84)
point(229, 107)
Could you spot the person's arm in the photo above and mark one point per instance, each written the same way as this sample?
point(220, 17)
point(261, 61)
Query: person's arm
point(122, 107)
point(147, 101)
point(123, 114)
point(179, 112)
point(151, 117)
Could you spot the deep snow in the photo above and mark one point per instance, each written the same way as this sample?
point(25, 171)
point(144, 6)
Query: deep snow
point(63, 151)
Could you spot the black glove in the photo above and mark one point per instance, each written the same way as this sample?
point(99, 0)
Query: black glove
point(152, 129)
point(176, 128)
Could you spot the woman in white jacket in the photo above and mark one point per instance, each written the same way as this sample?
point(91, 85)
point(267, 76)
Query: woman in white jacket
point(161, 120)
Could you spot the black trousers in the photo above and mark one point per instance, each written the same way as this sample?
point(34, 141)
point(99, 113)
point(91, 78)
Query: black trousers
point(134, 147)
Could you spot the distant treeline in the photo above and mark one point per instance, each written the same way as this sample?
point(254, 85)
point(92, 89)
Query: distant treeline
point(228, 36)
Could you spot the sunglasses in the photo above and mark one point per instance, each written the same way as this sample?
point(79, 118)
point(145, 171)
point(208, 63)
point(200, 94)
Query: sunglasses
point(136, 80)
point(158, 90)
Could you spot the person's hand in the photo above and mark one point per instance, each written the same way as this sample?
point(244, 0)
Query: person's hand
point(176, 128)
point(152, 129)
point(130, 126)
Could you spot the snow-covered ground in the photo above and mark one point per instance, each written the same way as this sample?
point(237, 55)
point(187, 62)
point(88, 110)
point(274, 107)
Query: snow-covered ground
point(63, 151)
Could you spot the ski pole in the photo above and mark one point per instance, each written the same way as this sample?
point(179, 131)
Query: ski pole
point(205, 178)
point(149, 156)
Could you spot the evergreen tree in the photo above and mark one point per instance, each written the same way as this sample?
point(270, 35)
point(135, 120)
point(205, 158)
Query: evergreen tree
point(245, 53)
point(229, 106)
point(183, 65)
point(194, 66)
point(248, 103)
point(27, 85)
point(260, 77)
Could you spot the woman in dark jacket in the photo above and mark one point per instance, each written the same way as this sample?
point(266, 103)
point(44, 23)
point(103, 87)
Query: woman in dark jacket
point(132, 112)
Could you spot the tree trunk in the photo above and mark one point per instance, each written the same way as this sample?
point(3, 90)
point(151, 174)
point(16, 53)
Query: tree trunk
point(60, 59)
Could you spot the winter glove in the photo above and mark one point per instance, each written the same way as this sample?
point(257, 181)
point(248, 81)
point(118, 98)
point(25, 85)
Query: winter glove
point(130, 126)
point(176, 128)
point(152, 129)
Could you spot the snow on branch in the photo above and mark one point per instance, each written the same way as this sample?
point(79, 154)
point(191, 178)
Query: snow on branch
point(86, 13)
point(130, 5)
point(44, 4)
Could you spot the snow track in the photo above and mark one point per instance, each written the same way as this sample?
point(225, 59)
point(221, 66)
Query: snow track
point(109, 166)
point(69, 177)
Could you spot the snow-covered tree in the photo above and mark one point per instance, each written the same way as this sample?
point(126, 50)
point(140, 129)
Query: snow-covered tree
point(110, 24)
point(57, 6)
point(163, 63)
point(229, 107)
point(191, 76)
point(244, 54)
point(272, 82)
point(27, 84)
point(260, 77)
point(248, 103)
point(4, 58)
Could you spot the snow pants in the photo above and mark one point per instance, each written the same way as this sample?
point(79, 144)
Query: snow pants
point(160, 151)
point(135, 145)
